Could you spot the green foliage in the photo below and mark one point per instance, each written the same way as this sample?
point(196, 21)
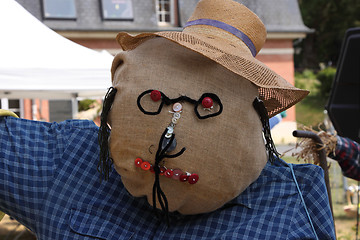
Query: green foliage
point(85, 104)
point(326, 77)
point(310, 111)
point(307, 80)
point(329, 19)
point(309, 74)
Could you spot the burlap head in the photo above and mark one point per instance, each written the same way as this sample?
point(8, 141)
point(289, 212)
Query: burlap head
point(215, 53)
point(231, 35)
point(226, 151)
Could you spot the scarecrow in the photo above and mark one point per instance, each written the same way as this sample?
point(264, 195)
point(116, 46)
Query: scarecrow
point(184, 144)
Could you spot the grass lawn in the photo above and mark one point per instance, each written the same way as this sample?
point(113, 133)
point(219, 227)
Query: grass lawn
point(310, 111)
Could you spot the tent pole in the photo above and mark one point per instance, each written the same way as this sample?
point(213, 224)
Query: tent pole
point(34, 109)
point(4, 103)
point(74, 106)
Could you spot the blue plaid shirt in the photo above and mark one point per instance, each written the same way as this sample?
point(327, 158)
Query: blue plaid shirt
point(49, 183)
point(347, 154)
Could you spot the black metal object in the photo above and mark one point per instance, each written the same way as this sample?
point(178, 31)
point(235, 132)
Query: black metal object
point(322, 158)
point(344, 102)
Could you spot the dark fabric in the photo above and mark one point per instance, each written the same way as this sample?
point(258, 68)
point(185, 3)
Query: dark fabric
point(347, 153)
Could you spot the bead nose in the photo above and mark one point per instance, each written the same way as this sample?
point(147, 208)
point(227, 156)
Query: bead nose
point(167, 143)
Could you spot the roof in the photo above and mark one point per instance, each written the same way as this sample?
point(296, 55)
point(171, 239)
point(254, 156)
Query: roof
point(277, 15)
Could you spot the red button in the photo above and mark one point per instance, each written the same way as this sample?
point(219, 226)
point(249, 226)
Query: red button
point(155, 95)
point(193, 178)
point(145, 166)
point(207, 102)
point(183, 178)
point(162, 170)
point(177, 174)
point(138, 162)
point(169, 173)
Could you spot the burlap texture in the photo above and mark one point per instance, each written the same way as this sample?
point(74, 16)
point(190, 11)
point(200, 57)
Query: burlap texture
point(228, 50)
point(226, 151)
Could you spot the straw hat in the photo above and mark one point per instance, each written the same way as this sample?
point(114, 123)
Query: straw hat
point(231, 35)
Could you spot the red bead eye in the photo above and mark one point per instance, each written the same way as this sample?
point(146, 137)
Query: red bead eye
point(155, 95)
point(207, 102)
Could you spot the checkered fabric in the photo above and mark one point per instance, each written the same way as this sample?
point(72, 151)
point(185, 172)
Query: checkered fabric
point(347, 153)
point(49, 182)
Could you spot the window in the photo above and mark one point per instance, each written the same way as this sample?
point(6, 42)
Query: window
point(117, 9)
point(59, 9)
point(13, 105)
point(166, 12)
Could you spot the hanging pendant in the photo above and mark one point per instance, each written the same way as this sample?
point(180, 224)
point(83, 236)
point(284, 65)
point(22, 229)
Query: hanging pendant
point(166, 141)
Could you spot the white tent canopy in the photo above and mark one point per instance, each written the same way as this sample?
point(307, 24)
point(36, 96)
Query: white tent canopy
point(36, 62)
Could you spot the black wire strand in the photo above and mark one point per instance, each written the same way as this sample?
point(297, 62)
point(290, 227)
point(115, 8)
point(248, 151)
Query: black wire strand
point(357, 213)
point(158, 194)
point(264, 118)
point(167, 101)
point(105, 161)
point(157, 191)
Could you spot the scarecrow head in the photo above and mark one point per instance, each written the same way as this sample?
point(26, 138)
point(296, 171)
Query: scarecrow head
point(189, 110)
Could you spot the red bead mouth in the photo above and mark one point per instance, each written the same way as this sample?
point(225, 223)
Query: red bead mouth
point(175, 174)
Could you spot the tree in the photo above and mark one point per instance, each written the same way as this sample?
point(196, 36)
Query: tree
point(330, 19)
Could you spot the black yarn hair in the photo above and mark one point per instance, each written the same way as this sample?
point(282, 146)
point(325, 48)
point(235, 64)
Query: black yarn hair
point(105, 161)
point(167, 101)
point(264, 118)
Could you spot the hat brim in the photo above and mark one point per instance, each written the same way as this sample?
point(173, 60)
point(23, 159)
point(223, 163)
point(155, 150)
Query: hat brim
point(277, 93)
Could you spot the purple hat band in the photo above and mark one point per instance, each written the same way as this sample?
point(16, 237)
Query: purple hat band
point(226, 27)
